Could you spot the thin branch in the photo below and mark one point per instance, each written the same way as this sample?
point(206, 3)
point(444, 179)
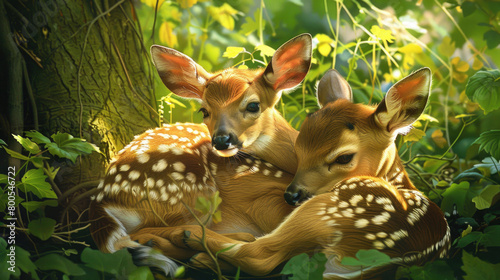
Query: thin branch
point(78, 187)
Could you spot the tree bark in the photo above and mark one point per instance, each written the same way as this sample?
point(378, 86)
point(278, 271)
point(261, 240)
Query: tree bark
point(90, 76)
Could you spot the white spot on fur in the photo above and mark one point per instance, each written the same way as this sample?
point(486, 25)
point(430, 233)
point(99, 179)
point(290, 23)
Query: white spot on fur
point(278, 174)
point(355, 199)
point(159, 166)
point(112, 170)
point(143, 157)
point(191, 177)
point(179, 166)
point(124, 167)
point(381, 219)
point(134, 175)
point(177, 176)
point(361, 223)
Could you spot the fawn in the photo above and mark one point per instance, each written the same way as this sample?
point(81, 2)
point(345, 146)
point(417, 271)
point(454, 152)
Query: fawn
point(352, 190)
point(151, 181)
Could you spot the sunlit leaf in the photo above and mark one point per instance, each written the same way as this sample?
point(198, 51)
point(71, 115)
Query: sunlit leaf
point(427, 117)
point(460, 196)
point(243, 66)
point(34, 181)
point(459, 65)
point(37, 137)
point(265, 50)
point(251, 25)
point(447, 47)
point(437, 137)
point(323, 44)
point(466, 231)
point(488, 197)
point(484, 88)
point(382, 34)
point(224, 15)
point(186, 3)
point(477, 64)
point(414, 135)
point(27, 144)
point(232, 52)
point(67, 146)
point(475, 268)
point(152, 3)
point(33, 205)
point(167, 35)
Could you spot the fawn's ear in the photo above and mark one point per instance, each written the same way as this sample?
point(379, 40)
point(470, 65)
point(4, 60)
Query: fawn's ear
point(404, 102)
point(179, 72)
point(332, 87)
point(290, 63)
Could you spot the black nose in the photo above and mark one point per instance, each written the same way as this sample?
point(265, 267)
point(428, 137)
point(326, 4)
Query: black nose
point(292, 198)
point(221, 142)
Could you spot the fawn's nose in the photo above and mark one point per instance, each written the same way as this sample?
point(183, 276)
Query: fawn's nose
point(295, 194)
point(222, 141)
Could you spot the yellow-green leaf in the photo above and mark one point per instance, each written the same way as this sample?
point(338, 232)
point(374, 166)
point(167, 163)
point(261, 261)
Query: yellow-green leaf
point(414, 135)
point(232, 52)
point(382, 34)
point(426, 117)
point(487, 197)
point(324, 44)
point(186, 3)
point(167, 36)
point(265, 50)
point(224, 15)
point(447, 47)
point(242, 66)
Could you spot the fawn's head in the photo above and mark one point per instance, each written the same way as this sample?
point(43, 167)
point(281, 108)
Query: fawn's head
point(237, 104)
point(344, 139)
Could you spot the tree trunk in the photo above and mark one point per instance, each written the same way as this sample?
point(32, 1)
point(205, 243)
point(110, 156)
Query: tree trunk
point(89, 73)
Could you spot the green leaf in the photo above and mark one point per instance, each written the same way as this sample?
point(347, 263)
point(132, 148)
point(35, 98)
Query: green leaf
point(34, 181)
point(490, 237)
point(265, 50)
point(252, 25)
point(37, 137)
point(27, 144)
point(367, 258)
point(431, 270)
point(489, 141)
point(232, 52)
point(212, 53)
point(301, 267)
point(468, 8)
point(66, 146)
point(59, 263)
point(118, 262)
point(296, 2)
point(42, 228)
point(15, 154)
point(476, 268)
point(202, 205)
point(492, 38)
point(23, 261)
point(484, 89)
point(141, 273)
point(33, 205)
point(2, 142)
point(459, 195)
point(487, 197)
point(469, 238)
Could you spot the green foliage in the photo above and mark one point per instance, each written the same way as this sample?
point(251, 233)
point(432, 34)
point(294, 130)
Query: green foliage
point(59, 263)
point(484, 88)
point(42, 228)
point(367, 258)
point(489, 141)
point(301, 267)
point(431, 270)
point(475, 268)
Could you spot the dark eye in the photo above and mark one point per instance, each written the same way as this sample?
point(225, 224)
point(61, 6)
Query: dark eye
point(204, 112)
point(344, 159)
point(253, 107)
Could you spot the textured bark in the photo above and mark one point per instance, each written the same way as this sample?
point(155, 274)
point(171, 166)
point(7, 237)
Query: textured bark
point(112, 99)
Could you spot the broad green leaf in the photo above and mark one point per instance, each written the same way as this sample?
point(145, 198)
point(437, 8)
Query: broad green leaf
point(33, 205)
point(202, 205)
point(492, 38)
point(468, 8)
point(34, 181)
point(118, 262)
point(367, 258)
point(488, 197)
point(491, 236)
point(301, 267)
point(232, 52)
point(469, 238)
point(252, 24)
point(42, 228)
point(489, 141)
point(212, 53)
point(27, 144)
point(296, 2)
point(66, 146)
point(484, 89)
point(265, 50)
point(2, 142)
point(475, 268)
point(15, 154)
point(70, 252)
point(459, 195)
point(37, 137)
point(59, 263)
point(23, 261)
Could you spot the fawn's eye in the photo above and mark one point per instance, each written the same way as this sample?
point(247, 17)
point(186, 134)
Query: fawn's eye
point(341, 160)
point(253, 107)
point(204, 112)
point(344, 159)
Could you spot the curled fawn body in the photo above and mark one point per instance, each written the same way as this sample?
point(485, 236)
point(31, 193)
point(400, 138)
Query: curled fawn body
point(352, 189)
point(153, 180)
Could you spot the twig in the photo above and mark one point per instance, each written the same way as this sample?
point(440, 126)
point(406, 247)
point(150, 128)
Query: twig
point(74, 200)
point(77, 188)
